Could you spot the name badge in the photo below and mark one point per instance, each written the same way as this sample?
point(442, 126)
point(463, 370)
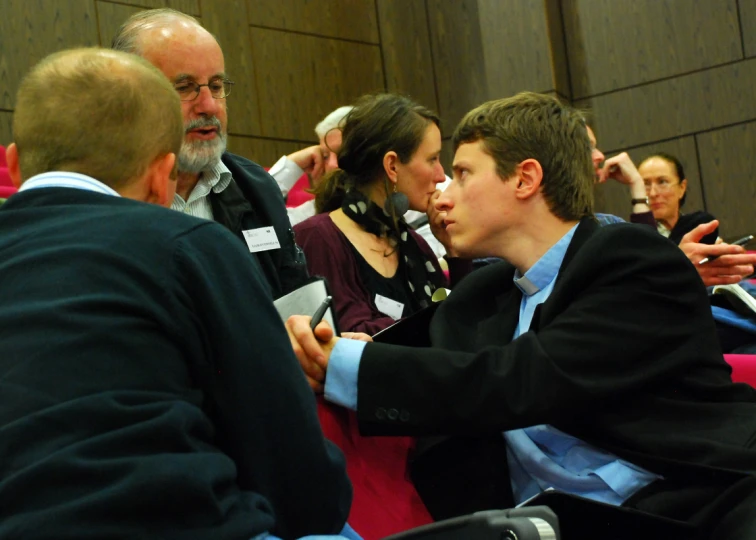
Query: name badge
point(262, 239)
point(390, 307)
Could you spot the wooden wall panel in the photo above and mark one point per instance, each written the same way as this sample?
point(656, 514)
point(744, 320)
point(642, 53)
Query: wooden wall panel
point(728, 168)
point(347, 19)
point(262, 151)
point(303, 78)
point(560, 72)
point(748, 25)
point(192, 7)
point(614, 198)
point(616, 44)
point(405, 45)
point(671, 108)
point(6, 128)
point(226, 20)
point(110, 17)
point(457, 58)
point(517, 58)
point(32, 29)
point(447, 156)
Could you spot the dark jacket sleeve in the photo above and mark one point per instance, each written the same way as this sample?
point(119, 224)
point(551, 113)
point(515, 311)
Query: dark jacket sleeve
point(257, 396)
point(599, 339)
point(644, 218)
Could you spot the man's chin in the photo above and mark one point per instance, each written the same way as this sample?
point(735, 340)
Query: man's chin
point(194, 161)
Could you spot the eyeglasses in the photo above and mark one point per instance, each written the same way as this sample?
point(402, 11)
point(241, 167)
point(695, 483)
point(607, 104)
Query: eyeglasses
point(189, 90)
point(662, 185)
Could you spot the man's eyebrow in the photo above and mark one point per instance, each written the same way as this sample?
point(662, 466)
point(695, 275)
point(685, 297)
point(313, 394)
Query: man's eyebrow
point(182, 77)
point(187, 77)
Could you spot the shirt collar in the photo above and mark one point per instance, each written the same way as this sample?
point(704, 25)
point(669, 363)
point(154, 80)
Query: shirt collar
point(546, 268)
point(67, 180)
point(217, 177)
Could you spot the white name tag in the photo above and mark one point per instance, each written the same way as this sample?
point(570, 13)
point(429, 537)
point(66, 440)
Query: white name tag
point(262, 239)
point(390, 307)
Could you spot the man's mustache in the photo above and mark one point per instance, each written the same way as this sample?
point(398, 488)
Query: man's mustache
point(202, 123)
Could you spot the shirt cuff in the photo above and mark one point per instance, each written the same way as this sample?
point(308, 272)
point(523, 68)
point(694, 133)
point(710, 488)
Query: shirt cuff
point(286, 173)
point(343, 368)
point(302, 212)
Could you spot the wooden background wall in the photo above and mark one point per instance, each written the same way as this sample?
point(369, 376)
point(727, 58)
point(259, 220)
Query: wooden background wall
point(676, 75)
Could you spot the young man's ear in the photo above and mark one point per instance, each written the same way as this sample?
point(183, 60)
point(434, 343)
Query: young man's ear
point(529, 178)
point(160, 179)
point(390, 161)
point(14, 169)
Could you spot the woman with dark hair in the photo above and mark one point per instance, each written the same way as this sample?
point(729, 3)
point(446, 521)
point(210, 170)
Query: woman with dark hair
point(378, 268)
point(666, 188)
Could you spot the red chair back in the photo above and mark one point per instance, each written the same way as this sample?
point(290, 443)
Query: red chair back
point(743, 367)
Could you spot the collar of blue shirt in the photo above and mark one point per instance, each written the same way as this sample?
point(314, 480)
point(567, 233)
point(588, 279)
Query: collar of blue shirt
point(545, 270)
point(68, 180)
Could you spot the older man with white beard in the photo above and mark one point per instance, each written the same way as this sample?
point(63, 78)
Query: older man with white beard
point(212, 183)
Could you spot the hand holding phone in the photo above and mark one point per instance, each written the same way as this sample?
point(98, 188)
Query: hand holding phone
point(740, 242)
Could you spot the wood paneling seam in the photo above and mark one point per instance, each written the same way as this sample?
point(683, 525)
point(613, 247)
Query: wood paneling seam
point(661, 79)
point(680, 135)
point(299, 32)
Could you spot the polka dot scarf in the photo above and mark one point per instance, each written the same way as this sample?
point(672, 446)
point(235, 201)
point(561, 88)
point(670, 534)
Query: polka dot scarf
point(422, 277)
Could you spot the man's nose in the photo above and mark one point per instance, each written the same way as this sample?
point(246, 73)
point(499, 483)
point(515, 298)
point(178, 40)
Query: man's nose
point(205, 102)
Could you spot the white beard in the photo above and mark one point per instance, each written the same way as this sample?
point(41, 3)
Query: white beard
point(197, 156)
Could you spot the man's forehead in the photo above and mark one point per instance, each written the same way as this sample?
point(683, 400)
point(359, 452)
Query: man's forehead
point(470, 151)
point(186, 50)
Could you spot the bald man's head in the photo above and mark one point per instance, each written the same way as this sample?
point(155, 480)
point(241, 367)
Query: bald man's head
point(97, 112)
point(191, 58)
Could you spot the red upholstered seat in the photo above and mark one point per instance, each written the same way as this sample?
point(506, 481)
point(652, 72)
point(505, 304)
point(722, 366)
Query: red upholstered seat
point(3, 161)
point(743, 367)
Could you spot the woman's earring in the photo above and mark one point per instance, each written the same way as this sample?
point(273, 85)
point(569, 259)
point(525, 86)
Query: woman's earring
point(397, 201)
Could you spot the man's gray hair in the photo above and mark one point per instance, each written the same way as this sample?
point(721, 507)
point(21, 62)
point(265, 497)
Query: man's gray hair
point(333, 120)
point(126, 38)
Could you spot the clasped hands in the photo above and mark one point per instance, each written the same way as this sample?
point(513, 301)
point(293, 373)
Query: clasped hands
point(313, 347)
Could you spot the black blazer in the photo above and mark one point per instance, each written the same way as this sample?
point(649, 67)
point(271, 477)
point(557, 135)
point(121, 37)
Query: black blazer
point(254, 200)
point(623, 354)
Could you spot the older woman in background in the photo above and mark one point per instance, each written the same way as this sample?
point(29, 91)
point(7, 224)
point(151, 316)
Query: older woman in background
point(666, 186)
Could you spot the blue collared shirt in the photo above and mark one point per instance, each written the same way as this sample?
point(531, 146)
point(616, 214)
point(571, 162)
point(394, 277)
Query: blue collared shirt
point(69, 180)
point(542, 457)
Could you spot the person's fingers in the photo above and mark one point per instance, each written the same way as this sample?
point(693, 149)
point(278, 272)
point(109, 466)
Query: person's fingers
point(305, 344)
point(711, 281)
point(318, 165)
point(316, 386)
point(323, 331)
point(313, 371)
point(699, 232)
point(359, 336)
